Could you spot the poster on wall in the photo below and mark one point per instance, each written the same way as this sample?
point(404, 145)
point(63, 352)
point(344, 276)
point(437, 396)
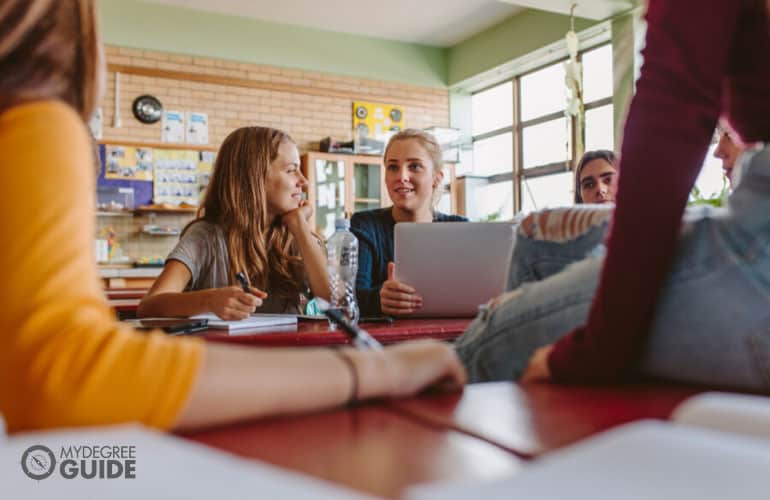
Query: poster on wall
point(172, 129)
point(375, 123)
point(128, 163)
point(197, 128)
point(176, 177)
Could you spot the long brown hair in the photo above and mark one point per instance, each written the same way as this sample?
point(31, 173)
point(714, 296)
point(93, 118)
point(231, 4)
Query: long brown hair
point(236, 201)
point(50, 49)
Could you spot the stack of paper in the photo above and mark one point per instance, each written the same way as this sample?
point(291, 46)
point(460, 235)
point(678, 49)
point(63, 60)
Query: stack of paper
point(638, 461)
point(255, 322)
point(739, 413)
point(715, 449)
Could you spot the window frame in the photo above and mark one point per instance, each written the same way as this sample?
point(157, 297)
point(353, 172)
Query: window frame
point(518, 174)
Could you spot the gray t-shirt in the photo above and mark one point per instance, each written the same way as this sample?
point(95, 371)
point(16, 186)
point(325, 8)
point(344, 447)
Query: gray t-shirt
point(203, 249)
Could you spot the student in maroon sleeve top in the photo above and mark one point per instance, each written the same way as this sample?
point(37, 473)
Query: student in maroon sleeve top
point(678, 297)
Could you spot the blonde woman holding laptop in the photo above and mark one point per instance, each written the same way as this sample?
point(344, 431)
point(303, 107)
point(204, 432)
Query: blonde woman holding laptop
point(413, 174)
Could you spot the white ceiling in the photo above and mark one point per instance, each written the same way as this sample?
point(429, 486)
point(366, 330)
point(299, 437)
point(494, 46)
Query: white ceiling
point(439, 23)
point(589, 9)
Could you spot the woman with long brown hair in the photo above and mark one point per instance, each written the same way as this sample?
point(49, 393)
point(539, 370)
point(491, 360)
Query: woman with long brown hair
point(254, 220)
point(64, 360)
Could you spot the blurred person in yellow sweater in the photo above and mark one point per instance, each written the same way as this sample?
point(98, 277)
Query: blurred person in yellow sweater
point(64, 360)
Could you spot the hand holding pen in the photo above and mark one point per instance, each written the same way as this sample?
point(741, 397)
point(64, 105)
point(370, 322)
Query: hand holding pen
point(240, 277)
point(235, 302)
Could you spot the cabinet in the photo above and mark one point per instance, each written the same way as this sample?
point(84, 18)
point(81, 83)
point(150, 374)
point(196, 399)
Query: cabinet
point(340, 185)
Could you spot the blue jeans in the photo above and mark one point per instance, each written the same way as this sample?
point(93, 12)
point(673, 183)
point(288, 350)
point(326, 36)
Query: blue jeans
point(712, 320)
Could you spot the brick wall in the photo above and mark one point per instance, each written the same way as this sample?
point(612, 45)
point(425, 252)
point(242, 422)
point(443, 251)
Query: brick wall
point(308, 105)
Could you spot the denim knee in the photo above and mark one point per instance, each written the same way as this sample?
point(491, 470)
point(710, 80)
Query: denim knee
point(498, 343)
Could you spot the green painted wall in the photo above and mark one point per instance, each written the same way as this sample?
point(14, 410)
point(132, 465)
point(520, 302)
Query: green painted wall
point(516, 36)
point(133, 23)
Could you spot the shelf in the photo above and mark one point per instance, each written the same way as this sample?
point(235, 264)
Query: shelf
point(354, 158)
point(159, 145)
point(149, 210)
point(115, 264)
point(175, 232)
point(155, 230)
point(367, 200)
point(105, 213)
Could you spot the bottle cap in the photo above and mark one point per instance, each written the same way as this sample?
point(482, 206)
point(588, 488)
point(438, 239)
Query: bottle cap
point(342, 224)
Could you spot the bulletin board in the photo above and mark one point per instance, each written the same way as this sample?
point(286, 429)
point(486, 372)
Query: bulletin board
point(376, 120)
point(142, 189)
point(170, 176)
point(176, 177)
point(129, 163)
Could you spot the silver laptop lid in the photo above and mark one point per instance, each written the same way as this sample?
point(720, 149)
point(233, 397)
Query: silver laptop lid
point(454, 266)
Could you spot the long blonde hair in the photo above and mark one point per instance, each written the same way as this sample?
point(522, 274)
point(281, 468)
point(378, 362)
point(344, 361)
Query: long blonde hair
point(50, 49)
point(236, 201)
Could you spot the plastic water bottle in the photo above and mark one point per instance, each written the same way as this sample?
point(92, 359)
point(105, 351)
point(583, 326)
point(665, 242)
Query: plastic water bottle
point(342, 256)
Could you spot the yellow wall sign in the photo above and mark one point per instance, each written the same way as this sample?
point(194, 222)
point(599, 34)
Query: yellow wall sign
point(375, 120)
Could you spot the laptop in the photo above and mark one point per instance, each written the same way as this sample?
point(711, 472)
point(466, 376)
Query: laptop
point(454, 266)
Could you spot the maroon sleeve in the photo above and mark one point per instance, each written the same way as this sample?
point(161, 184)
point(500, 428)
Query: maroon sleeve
point(669, 126)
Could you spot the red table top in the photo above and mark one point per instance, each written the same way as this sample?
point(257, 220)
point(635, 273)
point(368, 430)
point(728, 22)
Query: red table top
point(367, 448)
point(537, 418)
point(384, 447)
point(317, 333)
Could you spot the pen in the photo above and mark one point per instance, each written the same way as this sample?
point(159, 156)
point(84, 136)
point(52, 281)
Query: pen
point(241, 279)
point(361, 338)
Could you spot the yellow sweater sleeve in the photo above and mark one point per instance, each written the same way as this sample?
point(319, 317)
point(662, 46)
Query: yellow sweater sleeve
point(64, 359)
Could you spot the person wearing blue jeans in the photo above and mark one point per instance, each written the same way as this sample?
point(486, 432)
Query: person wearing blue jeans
point(546, 245)
point(712, 321)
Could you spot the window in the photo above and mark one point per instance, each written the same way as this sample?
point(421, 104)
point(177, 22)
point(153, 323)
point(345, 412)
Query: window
point(597, 96)
point(493, 155)
point(599, 128)
point(711, 179)
point(533, 152)
point(597, 74)
point(555, 190)
point(545, 92)
point(491, 109)
point(496, 201)
point(492, 162)
point(546, 143)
